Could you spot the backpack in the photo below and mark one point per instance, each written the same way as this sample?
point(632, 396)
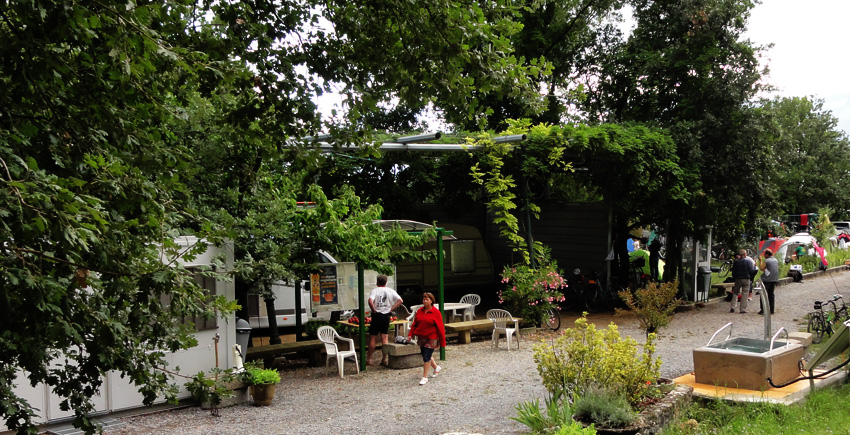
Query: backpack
point(796, 275)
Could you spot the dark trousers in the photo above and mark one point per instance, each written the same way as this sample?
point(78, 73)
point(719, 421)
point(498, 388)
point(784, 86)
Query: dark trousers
point(653, 266)
point(768, 287)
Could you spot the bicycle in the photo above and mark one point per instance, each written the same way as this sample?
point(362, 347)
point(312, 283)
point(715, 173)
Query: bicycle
point(726, 267)
point(837, 315)
point(637, 279)
point(818, 326)
point(599, 296)
point(820, 321)
point(552, 318)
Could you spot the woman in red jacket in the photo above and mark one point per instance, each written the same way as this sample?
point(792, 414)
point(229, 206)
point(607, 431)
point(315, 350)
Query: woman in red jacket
point(430, 334)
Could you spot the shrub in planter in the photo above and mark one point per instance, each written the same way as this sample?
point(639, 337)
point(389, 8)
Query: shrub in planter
point(262, 382)
point(584, 357)
point(558, 419)
point(604, 408)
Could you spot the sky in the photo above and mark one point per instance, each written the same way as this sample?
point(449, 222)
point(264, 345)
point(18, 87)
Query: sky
point(808, 57)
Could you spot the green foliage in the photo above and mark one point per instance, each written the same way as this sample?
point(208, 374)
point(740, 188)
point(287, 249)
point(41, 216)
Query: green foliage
point(312, 327)
point(575, 428)
point(532, 292)
point(211, 388)
point(653, 305)
point(821, 228)
point(635, 169)
point(824, 410)
point(558, 418)
point(124, 125)
point(810, 156)
point(583, 358)
point(605, 408)
point(256, 375)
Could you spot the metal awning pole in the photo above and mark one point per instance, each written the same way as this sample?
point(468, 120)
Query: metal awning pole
point(440, 273)
point(361, 312)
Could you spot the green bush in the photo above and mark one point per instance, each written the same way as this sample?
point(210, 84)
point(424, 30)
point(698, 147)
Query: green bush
point(604, 408)
point(558, 418)
point(575, 428)
point(210, 388)
point(584, 357)
point(532, 292)
point(653, 305)
point(256, 375)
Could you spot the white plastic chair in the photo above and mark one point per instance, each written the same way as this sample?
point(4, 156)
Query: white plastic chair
point(402, 313)
point(469, 313)
point(413, 312)
point(328, 335)
point(500, 319)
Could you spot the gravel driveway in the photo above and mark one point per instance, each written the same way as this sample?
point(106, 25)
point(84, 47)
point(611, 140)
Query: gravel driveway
point(476, 392)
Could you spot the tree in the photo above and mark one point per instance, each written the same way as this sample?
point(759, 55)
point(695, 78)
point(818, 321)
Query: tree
point(686, 67)
point(97, 149)
point(810, 158)
point(567, 38)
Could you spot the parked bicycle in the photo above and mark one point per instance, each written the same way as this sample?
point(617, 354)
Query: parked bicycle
point(637, 279)
point(726, 268)
point(553, 318)
point(598, 296)
point(821, 321)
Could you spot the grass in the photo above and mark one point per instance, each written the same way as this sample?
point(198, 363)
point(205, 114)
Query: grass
point(825, 411)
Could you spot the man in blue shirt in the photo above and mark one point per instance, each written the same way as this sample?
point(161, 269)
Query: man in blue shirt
point(743, 270)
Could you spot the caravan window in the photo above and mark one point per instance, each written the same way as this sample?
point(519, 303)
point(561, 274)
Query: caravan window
point(208, 285)
point(463, 256)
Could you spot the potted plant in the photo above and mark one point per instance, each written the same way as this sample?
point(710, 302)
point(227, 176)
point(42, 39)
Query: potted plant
point(262, 382)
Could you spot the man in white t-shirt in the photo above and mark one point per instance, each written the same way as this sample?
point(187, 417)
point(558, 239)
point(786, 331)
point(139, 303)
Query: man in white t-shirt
point(382, 301)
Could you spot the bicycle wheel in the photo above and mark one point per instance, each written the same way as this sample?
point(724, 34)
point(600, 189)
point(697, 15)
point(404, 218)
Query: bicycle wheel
point(725, 268)
point(817, 327)
point(614, 299)
point(594, 298)
point(553, 319)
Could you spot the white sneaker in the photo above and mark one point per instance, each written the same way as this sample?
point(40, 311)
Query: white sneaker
point(423, 381)
point(436, 371)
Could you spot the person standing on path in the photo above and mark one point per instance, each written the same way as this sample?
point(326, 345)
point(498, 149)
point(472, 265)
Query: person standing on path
point(382, 301)
point(769, 266)
point(654, 255)
point(742, 271)
point(430, 335)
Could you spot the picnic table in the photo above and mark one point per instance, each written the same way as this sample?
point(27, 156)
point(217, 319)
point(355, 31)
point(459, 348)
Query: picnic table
point(357, 325)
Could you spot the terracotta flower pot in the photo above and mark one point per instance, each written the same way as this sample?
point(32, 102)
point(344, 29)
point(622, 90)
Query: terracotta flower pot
point(263, 394)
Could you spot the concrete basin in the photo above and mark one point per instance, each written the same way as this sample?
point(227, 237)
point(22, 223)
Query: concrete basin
point(747, 363)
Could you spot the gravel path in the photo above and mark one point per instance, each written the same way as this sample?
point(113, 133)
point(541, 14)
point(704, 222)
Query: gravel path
point(478, 389)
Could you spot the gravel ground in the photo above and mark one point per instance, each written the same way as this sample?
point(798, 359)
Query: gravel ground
point(478, 388)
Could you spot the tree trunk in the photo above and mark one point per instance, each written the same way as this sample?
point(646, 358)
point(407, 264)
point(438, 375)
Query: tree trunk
point(274, 335)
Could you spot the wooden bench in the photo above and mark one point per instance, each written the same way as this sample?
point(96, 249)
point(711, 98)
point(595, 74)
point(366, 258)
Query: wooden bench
point(464, 329)
point(313, 348)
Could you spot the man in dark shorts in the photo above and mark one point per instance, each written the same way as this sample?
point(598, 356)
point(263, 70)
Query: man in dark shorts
point(382, 301)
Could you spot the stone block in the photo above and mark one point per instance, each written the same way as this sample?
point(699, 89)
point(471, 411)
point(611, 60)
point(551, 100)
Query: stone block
point(803, 338)
point(402, 356)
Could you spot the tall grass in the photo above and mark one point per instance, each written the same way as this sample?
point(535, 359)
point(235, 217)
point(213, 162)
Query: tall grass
point(825, 411)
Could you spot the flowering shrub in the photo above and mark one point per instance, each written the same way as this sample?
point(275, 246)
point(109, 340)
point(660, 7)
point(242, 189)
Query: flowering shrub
point(584, 358)
point(531, 292)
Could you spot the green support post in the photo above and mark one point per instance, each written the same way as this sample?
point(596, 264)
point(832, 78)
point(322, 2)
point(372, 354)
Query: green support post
point(441, 285)
point(361, 312)
point(299, 328)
